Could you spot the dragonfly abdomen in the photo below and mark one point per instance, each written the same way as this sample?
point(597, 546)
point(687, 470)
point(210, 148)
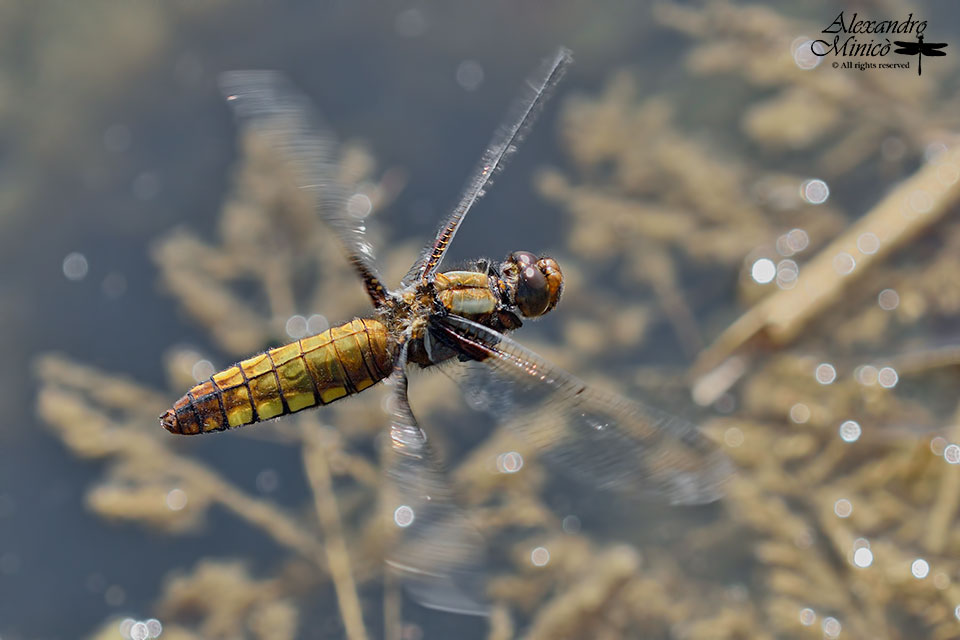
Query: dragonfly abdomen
point(312, 371)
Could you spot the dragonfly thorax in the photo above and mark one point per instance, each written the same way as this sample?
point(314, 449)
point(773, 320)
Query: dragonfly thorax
point(496, 295)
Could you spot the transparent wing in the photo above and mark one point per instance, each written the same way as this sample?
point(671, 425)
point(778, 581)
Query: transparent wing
point(437, 552)
point(266, 102)
point(502, 147)
point(600, 437)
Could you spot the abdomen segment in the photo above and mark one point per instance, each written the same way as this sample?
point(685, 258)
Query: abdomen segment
point(309, 372)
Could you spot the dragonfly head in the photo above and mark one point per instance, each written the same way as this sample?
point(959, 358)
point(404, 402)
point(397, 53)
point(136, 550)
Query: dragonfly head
point(534, 284)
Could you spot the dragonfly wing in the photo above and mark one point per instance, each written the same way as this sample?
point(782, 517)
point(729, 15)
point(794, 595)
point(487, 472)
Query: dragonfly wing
point(907, 48)
point(932, 51)
point(266, 102)
point(502, 147)
point(600, 437)
point(436, 550)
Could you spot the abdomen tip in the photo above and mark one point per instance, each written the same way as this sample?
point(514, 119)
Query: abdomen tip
point(169, 421)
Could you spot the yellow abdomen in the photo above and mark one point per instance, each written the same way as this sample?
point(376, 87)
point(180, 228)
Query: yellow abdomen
point(309, 372)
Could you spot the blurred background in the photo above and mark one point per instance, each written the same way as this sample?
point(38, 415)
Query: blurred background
point(750, 237)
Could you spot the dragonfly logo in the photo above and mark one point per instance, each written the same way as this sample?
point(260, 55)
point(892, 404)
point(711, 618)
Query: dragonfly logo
point(865, 43)
point(920, 49)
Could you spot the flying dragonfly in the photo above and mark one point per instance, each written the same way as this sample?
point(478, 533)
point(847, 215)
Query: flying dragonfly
point(457, 319)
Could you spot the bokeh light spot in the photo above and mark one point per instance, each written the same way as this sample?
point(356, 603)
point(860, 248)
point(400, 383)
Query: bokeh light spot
point(937, 445)
point(317, 324)
point(509, 462)
point(571, 524)
point(825, 373)
point(868, 243)
point(866, 375)
point(139, 631)
point(800, 413)
point(176, 499)
point(787, 273)
point(920, 568)
point(850, 431)
point(888, 299)
point(887, 377)
point(763, 270)
point(125, 625)
point(843, 263)
point(359, 205)
point(733, 437)
point(951, 453)
point(805, 54)
point(798, 240)
point(296, 327)
point(540, 556)
point(815, 191)
point(202, 370)
point(403, 516)
point(863, 557)
point(831, 627)
point(75, 266)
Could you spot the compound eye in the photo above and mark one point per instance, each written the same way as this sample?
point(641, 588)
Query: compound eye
point(551, 270)
point(533, 292)
point(522, 259)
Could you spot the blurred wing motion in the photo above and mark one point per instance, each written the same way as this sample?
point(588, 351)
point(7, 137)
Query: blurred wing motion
point(437, 552)
point(502, 147)
point(266, 102)
point(597, 436)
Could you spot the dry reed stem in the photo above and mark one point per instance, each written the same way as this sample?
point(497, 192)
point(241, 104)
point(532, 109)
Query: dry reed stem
point(912, 207)
point(338, 557)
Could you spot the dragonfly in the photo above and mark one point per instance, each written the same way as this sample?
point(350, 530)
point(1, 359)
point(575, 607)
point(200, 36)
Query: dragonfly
point(457, 319)
point(920, 49)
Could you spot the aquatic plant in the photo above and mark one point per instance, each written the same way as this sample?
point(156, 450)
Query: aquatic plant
point(807, 314)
